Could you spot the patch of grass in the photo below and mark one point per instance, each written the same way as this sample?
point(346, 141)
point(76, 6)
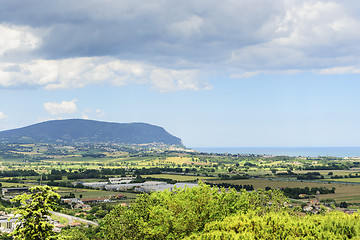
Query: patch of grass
point(62, 220)
point(273, 163)
point(7, 184)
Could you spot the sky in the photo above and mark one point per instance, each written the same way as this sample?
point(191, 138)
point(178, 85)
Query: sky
point(231, 73)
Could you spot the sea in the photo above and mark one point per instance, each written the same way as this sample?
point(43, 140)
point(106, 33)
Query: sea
point(340, 152)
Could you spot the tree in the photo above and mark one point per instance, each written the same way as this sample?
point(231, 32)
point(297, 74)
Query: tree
point(343, 204)
point(33, 223)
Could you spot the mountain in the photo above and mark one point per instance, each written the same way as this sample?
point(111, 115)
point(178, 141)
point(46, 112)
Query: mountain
point(80, 130)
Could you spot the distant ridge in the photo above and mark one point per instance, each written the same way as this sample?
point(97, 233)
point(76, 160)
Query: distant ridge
point(80, 130)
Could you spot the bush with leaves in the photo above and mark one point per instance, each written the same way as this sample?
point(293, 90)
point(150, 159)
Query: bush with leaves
point(73, 234)
point(181, 212)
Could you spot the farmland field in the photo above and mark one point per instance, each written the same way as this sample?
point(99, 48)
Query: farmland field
point(344, 192)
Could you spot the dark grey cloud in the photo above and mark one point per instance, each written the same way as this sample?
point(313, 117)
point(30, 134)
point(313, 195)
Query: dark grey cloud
point(203, 31)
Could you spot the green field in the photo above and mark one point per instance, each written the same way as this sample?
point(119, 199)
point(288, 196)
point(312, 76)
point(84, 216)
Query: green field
point(7, 184)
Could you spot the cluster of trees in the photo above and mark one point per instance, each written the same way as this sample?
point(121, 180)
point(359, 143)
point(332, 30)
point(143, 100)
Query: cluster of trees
point(295, 192)
point(310, 176)
point(287, 173)
point(345, 176)
point(324, 167)
point(305, 176)
point(18, 173)
point(94, 155)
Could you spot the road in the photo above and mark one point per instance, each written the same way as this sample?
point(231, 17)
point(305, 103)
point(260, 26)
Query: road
point(71, 218)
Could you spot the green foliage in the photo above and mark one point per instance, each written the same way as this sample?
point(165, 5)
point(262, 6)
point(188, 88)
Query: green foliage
point(177, 214)
point(100, 213)
point(335, 225)
point(73, 234)
point(344, 204)
point(295, 192)
point(34, 212)
point(5, 236)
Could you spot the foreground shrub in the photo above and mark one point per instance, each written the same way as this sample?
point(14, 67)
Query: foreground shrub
point(181, 212)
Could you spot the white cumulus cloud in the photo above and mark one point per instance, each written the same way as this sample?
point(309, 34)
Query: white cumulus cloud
point(341, 70)
point(57, 109)
point(80, 72)
point(166, 80)
point(245, 74)
point(2, 115)
point(17, 38)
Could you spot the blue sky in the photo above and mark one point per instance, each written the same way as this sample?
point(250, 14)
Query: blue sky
point(214, 73)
